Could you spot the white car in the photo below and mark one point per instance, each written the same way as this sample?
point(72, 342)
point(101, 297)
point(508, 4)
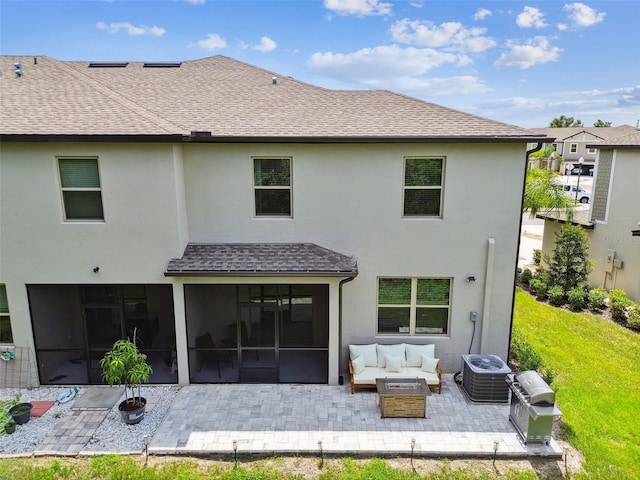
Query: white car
point(582, 196)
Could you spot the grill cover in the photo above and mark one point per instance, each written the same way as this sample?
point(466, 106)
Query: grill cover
point(532, 384)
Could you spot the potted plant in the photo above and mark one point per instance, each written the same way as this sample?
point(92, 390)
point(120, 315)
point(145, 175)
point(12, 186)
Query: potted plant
point(125, 365)
point(7, 424)
point(21, 413)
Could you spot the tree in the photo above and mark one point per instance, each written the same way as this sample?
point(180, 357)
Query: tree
point(545, 154)
point(570, 265)
point(600, 123)
point(562, 122)
point(543, 195)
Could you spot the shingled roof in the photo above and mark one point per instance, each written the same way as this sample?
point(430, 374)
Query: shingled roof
point(215, 99)
point(261, 259)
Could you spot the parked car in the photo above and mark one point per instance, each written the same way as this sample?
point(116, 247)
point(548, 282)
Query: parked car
point(582, 196)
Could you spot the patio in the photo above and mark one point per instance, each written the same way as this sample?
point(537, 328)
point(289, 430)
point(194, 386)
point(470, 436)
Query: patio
point(293, 419)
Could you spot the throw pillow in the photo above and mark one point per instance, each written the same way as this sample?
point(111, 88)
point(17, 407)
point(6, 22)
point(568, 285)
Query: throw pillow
point(358, 365)
point(368, 352)
point(393, 363)
point(395, 350)
point(429, 364)
point(415, 353)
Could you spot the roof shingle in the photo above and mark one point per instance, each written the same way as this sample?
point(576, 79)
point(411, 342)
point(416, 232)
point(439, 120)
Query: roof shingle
point(231, 99)
point(261, 259)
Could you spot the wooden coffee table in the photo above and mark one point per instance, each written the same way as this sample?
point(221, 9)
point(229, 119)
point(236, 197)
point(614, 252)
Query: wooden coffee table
point(402, 397)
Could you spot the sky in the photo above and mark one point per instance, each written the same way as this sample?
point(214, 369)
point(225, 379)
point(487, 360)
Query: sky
point(519, 62)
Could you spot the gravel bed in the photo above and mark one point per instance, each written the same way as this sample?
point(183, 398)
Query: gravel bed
point(113, 435)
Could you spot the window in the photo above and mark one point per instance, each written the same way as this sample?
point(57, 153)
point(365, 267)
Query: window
point(272, 187)
point(573, 148)
point(5, 322)
point(80, 184)
point(591, 150)
point(413, 306)
point(423, 187)
point(555, 147)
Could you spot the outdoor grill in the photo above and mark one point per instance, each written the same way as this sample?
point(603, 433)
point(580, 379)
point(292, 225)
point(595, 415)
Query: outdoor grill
point(532, 407)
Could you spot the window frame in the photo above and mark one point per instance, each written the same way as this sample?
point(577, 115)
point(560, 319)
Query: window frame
point(64, 189)
point(573, 148)
point(5, 316)
point(413, 308)
point(440, 187)
point(255, 187)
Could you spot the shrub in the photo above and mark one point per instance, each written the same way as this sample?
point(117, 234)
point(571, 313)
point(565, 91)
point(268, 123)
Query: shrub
point(597, 298)
point(634, 316)
point(569, 265)
point(577, 298)
point(538, 288)
point(526, 276)
point(537, 256)
point(548, 374)
point(556, 296)
point(524, 354)
point(618, 303)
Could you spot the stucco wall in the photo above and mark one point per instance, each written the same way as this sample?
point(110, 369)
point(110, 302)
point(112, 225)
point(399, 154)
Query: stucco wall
point(345, 197)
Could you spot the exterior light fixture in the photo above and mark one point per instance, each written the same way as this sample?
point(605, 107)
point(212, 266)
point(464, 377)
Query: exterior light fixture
point(321, 454)
point(235, 454)
point(496, 445)
point(413, 446)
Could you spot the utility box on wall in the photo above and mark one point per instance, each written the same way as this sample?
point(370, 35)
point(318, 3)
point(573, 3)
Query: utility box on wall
point(608, 264)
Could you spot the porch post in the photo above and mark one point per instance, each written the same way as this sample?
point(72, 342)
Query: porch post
point(334, 331)
point(182, 354)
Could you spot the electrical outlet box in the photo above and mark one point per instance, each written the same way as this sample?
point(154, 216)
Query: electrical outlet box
point(617, 263)
point(473, 315)
point(608, 264)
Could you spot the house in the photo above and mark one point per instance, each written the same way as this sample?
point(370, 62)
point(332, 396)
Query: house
point(573, 143)
point(244, 226)
point(612, 221)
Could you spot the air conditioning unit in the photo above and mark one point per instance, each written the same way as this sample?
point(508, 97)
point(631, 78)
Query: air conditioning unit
point(484, 378)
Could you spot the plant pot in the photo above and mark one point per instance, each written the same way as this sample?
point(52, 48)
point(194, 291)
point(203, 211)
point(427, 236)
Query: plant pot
point(10, 428)
point(132, 412)
point(21, 413)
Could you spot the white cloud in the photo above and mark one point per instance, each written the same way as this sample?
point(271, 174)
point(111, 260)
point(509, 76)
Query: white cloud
point(583, 15)
point(562, 27)
point(424, 87)
point(359, 8)
point(481, 14)
point(531, 17)
point(212, 42)
point(535, 51)
point(372, 65)
point(132, 30)
point(452, 35)
point(266, 45)
point(196, 2)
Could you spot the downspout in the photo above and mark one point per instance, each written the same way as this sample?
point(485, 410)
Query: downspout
point(342, 282)
point(537, 148)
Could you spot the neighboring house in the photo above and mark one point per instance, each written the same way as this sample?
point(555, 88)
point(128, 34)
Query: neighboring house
point(572, 143)
point(246, 226)
point(612, 222)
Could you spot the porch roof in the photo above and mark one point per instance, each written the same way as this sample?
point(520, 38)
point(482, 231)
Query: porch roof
point(261, 259)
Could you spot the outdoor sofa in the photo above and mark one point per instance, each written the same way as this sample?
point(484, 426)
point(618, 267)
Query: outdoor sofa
point(401, 360)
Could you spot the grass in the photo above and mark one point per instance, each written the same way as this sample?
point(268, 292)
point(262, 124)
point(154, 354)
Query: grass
point(597, 383)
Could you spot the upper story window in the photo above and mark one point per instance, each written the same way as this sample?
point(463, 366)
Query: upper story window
point(573, 148)
point(5, 322)
point(423, 177)
point(272, 187)
point(414, 306)
point(591, 150)
point(81, 193)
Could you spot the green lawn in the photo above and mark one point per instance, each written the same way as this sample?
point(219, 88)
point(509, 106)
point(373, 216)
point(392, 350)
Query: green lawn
point(597, 383)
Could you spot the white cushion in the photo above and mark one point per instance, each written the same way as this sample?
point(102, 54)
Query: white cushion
point(415, 353)
point(396, 350)
point(358, 365)
point(368, 353)
point(393, 363)
point(429, 364)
